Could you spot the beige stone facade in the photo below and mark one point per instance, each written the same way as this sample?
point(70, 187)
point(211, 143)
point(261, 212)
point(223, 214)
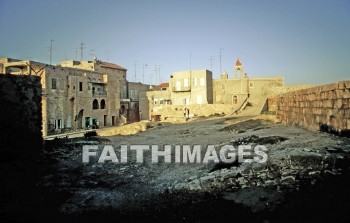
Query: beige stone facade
point(191, 87)
point(72, 98)
point(134, 104)
point(197, 87)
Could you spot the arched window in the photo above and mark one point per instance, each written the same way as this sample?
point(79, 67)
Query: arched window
point(103, 104)
point(238, 72)
point(95, 104)
point(234, 100)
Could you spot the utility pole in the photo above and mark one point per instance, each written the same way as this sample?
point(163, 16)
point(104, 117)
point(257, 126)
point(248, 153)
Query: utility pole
point(221, 49)
point(81, 51)
point(51, 51)
point(143, 73)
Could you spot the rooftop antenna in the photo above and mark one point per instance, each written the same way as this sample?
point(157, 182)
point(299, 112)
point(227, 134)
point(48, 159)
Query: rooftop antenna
point(143, 73)
point(51, 52)
point(107, 56)
point(135, 70)
point(211, 64)
point(159, 67)
point(221, 49)
point(155, 71)
point(91, 52)
point(76, 53)
point(81, 51)
point(190, 61)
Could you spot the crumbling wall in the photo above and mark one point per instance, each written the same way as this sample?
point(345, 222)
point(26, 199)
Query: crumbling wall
point(325, 108)
point(20, 120)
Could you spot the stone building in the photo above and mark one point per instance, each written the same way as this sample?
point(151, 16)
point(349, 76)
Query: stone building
point(242, 88)
point(72, 98)
point(197, 91)
point(131, 93)
point(138, 102)
point(191, 87)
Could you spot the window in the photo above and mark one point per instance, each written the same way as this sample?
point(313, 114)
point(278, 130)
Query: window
point(155, 101)
point(53, 83)
point(161, 101)
point(238, 72)
point(194, 81)
point(80, 86)
point(95, 104)
point(251, 85)
point(201, 81)
point(178, 85)
point(58, 124)
point(185, 82)
point(103, 104)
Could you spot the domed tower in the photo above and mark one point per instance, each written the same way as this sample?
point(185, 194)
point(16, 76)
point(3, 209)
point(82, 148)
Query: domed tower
point(238, 70)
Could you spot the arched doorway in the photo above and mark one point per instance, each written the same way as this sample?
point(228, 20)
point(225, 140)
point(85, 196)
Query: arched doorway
point(234, 100)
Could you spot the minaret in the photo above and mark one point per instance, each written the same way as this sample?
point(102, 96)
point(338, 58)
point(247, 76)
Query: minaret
point(238, 70)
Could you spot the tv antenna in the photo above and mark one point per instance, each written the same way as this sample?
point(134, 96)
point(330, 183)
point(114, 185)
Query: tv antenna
point(81, 51)
point(220, 55)
point(51, 51)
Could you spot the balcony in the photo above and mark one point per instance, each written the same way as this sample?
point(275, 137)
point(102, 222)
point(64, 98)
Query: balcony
point(99, 93)
point(181, 89)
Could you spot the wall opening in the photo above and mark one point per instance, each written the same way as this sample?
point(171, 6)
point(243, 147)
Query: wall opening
point(234, 100)
point(95, 104)
point(103, 104)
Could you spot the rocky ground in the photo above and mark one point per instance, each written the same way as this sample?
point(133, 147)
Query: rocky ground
point(304, 179)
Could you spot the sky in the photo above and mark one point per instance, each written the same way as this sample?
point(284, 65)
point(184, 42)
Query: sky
point(307, 42)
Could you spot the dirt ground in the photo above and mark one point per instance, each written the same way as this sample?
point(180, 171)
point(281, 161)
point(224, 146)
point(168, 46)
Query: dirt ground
point(69, 190)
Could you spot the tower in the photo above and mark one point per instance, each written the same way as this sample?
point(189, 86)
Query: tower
point(238, 70)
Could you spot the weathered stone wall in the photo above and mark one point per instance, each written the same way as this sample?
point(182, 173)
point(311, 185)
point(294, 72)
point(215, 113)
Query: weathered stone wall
point(324, 108)
point(20, 120)
point(274, 91)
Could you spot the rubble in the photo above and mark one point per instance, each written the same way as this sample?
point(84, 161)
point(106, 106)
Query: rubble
point(304, 160)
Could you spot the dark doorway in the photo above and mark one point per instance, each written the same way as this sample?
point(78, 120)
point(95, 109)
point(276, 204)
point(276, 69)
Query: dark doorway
point(113, 120)
point(79, 118)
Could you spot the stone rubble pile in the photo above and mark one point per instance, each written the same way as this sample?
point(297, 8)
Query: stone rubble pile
point(285, 168)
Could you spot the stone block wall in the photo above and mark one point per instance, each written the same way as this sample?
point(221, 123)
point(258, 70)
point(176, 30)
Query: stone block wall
point(20, 119)
point(325, 108)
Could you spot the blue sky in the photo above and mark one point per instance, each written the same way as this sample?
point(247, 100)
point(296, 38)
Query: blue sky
point(308, 42)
